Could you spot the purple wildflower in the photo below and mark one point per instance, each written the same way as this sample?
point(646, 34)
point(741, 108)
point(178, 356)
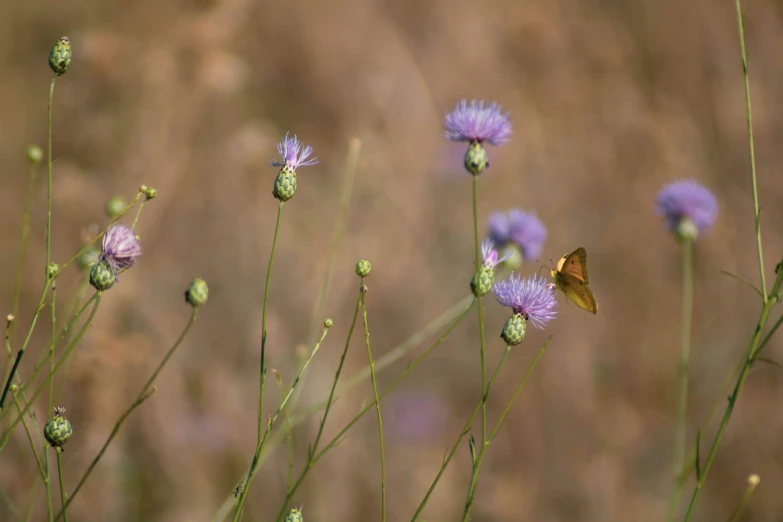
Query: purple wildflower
point(475, 123)
point(519, 227)
point(687, 204)
point(489, 255)
point(119, 248)
point(293, 154)
point(533, 297)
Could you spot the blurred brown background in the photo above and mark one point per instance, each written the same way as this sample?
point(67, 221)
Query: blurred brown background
point(609, 100)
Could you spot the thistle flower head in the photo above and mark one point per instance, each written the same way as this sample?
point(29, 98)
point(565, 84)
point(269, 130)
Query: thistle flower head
point(120, 248)
point(489, 255)
point(294, 154)
point(532, 297)
point(476, 123)
point(518, 227)
point(689, 208)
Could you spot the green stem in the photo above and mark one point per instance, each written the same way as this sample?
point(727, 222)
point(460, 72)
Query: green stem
point(49, 177)
point(753, 481)
point(138, 214)
point(51, 347)
point(288, 438)
point(271, 422)
point(62, 485)
point(312, 457)
point(48, 482)
point(30, 439)
point(681, 427)
point(465, 431)
point(377, 406)
point(480, 315)
point(485, 445)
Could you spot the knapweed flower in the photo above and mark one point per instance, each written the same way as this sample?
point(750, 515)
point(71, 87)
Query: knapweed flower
point(475, 123)
point(532, 298)
point(519, 228)
point(120, 248)
point(482, 280)
point(689, 208)
point(294, 154)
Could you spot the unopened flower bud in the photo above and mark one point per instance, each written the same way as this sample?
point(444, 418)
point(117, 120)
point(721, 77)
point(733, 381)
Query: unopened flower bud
point(363, 268)
point(197, 293)
point(60, 56)
point(34, 154)
point(58, 430)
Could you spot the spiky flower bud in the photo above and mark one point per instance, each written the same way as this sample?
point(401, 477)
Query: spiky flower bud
point(60, 56)
point(514, 330)
point(197, 293)
point(481, 283)
point(87, 259)
point(52, 269)
point(476, 159)
point(285, 184)
point(102, 277)
point(115, 207)
point(150, 193)
point(58, 430)
point(294, 515)
point(363, 268)
point(34, 154)
point(328, 323)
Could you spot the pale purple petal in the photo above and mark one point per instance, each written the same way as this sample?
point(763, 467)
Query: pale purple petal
point(120, 248)
point(475, 122)
point(687, 200)
point(294, 154)
point(532, 297)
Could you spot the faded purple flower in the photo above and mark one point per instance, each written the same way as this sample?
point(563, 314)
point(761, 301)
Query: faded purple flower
point(532, 297)
point(294, 154)
point(689, 208)
point(119, 248)
point(489, 255)
point(524, 229)
point(475, 123)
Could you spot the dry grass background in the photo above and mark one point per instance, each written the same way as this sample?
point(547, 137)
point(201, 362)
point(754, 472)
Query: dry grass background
point(609, 101)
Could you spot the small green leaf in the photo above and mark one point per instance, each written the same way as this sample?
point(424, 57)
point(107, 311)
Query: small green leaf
point(769, 361)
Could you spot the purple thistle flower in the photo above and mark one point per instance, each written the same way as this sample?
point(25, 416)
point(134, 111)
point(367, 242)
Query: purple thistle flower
point(475, 123)
point(687, 204)
point(533, 297)
point(519, 227)
point(293, 154)
point(489, 255)
point(119, 248)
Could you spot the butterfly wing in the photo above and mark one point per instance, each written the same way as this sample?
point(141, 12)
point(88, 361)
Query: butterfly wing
point(575, 264)
point(576, 291)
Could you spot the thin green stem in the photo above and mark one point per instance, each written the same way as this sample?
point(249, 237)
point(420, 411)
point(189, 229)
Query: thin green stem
point(312, 456)
point(485, 445)
point(271, 422)
point(70, 308)
point(681, 426)
point(48, 482)
point(54, 342)
point(49, 177)
point(288, 438)
point(23, 246)
point(12, 509)
point(480, 315)
point(146, 391)
point(138, 214)
point(465, 431)
point(60, 362)
point(30, 439)
point(62, 484)
point(753, 481)
point(751, 146)
point(377, 405)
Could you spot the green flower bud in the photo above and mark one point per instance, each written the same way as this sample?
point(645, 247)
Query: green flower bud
point(328, 323)
point(115, 207)
point(58, 430)
point(514, 259)
point(14, 388)
point(143, 189)
point(686, 230)
point(34, 154)
point(486, 276)
point(294, 515)
point(285, 184)
point(87, 259)
point(197, 293)
point(102, 277)
point(476, 160)
point(151, 193)
point(60, 56)
point(10, 318)
point(514, 330)
point(363, 268)
point(52, 269)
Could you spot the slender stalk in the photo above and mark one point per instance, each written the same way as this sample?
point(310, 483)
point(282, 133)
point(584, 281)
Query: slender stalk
point(146, 391)
point(377, 405)
point(463, 307)
point(312, 456)
point(97, 298)
point(681, 427)
point(23, 246)
point(753, 481)
point(288, 439)
point(30, 439)
point(138, 214)
point(51, 347)
point(49, 177)
point(62, 484)
point(48, 482)
point(465, 431)
point(480, 316)
point(485, 445)
point(271, 422)
point(70, 307)
point(12, 509)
